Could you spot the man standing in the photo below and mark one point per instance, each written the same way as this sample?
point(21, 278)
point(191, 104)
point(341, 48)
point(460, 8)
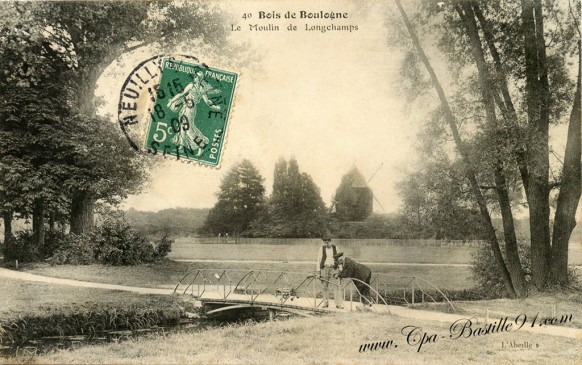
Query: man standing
point(326, 267)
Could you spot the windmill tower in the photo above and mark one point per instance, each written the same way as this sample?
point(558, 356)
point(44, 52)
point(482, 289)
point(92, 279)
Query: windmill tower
point(353, 199)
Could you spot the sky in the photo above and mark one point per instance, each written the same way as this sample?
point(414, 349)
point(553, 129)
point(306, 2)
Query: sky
point(330, 100)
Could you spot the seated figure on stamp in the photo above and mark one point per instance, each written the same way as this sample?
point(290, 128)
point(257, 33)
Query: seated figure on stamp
point(186, 102)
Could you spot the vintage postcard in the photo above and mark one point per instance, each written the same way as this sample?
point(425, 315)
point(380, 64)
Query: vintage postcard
point(290, 182)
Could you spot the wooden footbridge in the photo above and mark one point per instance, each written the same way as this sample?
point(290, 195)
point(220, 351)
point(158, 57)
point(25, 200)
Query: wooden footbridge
point(219, 291)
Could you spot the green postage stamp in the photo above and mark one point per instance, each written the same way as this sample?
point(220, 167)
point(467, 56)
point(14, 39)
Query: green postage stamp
point(190, 111)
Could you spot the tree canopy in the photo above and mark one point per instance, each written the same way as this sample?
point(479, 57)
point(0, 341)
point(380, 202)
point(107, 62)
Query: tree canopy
point(240, 200)
point(510, 82)
point(58, 157)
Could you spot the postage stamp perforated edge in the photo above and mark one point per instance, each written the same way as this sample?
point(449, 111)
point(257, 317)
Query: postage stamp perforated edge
point(136, 124)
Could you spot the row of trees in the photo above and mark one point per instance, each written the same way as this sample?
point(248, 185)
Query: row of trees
point(58, 157)
point(294, 209)
point(510, 83)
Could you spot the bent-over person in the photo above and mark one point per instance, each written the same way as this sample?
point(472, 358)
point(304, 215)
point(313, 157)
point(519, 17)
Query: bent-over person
point(350, 268)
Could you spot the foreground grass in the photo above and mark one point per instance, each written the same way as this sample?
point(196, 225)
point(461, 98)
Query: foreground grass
point(31, 309)
point(543, 304)
point(21, 297)
point(323, 340)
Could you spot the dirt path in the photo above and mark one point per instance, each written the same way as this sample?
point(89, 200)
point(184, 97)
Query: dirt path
point(478, 322)
point(19, 275)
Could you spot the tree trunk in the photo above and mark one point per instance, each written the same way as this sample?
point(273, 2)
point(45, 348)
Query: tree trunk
point(506, 105)
point(8, 236)
point(52, 219)
point(82, 220)
point(83, 202)
point(487, 87)
point(569, 196)
point(470, 173)
point(38, 225)
point(537, 100)
point(511, 247)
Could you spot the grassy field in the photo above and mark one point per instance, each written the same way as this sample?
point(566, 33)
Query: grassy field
point(186, 249)
point(20, 296)
point(430, 263)
point(325, 340)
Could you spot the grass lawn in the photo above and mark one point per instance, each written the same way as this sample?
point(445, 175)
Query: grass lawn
point(21, 297)
point(164, 273)
point(325, 340)
point(183, 248)
point(167, 273)
point(186, 248)
point(546, 305)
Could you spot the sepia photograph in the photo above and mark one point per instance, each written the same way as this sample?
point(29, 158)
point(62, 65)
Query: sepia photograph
point(290, 182)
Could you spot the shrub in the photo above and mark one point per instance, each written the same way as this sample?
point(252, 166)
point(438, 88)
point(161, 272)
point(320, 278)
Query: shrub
point(53, 240)
point(164, 247)
point(485, 274)
point(75, 250)
point(90, 319)
point(23, 248)
point(116, 243)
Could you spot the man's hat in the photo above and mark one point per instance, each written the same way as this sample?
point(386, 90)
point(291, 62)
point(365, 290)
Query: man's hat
point(338, 255)
point(326, 238)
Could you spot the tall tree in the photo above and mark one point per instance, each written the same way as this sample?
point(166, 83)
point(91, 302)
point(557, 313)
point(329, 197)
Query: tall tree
point(569, 195)
point(295, 208)
point(464, 152)
point(437, 204)
point(486, 81)
point(524, 86)
point(240, 200)
point(56, 149)
point(32, 123)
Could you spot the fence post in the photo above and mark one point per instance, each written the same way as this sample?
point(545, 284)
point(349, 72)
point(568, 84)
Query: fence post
point(412, 284)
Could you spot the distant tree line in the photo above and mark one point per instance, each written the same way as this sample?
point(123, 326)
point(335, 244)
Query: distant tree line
point(434, 206)
point(189, 222)
point(171, 222)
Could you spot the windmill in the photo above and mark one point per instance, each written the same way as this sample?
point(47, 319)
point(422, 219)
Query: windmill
point(356, 195)
point(370, 179)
